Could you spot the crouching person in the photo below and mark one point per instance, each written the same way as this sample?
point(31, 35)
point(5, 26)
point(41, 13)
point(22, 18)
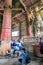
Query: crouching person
point(25, 57)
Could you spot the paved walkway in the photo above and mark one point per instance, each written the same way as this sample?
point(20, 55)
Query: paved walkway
point(14, 61)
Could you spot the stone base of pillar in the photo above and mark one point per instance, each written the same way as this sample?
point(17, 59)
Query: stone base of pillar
point(5, 46)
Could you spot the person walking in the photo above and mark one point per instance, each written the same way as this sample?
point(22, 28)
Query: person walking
point(41, 45)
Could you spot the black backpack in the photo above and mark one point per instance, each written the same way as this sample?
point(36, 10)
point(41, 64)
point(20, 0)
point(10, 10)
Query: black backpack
point(28, 59)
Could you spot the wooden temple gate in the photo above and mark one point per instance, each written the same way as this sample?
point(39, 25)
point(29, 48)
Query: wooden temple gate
point(7, 19)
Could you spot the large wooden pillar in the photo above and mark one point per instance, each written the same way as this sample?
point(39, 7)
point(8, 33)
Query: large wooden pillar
point(42, 1)
point(20, 30)
point(30, 31)
point(6, 26)
point(29, 26)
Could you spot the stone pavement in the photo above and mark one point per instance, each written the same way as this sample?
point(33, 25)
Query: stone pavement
point(14, 61)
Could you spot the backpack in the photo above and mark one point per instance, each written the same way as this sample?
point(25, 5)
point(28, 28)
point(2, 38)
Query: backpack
point(28, 59)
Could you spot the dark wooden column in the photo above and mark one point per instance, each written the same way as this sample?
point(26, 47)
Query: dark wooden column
point(28, 25)
point(20, 32)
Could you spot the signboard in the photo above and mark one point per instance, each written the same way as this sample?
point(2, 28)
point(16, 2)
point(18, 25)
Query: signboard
point(33, 39)
point(15, 33)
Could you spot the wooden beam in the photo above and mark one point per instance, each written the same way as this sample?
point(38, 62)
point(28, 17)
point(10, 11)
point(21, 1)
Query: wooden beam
point(19, 17)
point(13, 9)
point(1, 9)
point(18, 9)
point(1, 13)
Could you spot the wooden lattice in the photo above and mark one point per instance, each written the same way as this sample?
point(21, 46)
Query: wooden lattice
point(29, 3)
point(19, 17)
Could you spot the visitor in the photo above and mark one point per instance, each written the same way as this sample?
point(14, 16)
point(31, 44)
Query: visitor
point(13, 44)
point(25, 58)
point(41, 45)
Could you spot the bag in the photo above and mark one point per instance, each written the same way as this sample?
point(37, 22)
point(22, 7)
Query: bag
point(28, 60)
point(41, 51)
point(20, 60)
point(41, 48)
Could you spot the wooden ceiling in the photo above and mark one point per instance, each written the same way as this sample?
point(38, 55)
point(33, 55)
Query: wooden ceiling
point(30, 3)
point(20, 17)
